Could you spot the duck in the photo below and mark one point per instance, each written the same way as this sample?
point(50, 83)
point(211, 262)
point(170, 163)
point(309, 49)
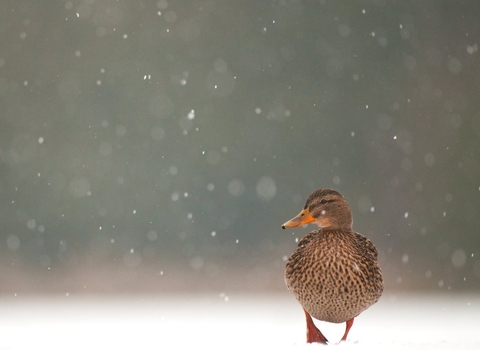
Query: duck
point(334, 272)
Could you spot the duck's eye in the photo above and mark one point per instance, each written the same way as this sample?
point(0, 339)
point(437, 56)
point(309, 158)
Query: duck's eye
point(323, 201)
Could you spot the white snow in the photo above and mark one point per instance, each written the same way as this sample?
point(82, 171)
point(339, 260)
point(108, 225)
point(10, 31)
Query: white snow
point(269, 321)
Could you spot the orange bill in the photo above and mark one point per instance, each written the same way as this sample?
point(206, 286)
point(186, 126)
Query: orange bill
point(301, 219)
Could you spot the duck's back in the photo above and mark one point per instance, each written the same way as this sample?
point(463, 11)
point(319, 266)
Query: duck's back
point(334, 275)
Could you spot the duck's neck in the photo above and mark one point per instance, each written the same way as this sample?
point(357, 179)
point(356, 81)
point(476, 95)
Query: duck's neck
point(340, 223)
point(336, 228)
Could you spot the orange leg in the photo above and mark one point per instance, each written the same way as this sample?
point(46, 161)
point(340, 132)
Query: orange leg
point(313, 333)
point(347, 329)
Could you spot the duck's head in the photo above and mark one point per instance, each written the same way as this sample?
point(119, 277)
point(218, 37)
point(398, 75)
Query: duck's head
point(326, 208)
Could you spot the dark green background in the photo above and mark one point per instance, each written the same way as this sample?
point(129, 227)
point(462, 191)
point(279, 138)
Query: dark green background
point(132, 130)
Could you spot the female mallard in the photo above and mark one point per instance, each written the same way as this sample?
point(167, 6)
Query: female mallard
point(334, 272)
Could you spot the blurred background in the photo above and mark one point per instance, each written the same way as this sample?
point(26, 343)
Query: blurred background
point(158, 146)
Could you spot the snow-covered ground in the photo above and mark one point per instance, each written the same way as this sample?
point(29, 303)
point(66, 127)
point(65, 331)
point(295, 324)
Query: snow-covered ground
point(397, 321)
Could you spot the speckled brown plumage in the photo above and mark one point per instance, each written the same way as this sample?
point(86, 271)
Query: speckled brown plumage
point(334, 272)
